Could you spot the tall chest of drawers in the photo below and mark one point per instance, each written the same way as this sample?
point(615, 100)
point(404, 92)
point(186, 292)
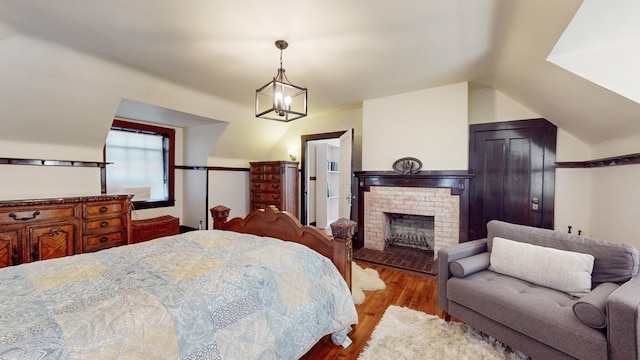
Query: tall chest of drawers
point(275, 183)
point(32, 230)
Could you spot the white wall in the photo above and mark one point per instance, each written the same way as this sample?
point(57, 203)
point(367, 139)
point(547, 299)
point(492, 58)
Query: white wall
point(195, 201)
point(35, 182)
point(614, 207)
point(430, 124)
point(602, 202)
point(344, 119)
point(573, 186)
point(30, 182)
point(488, 105)
point(615, 193)
point(231, 189)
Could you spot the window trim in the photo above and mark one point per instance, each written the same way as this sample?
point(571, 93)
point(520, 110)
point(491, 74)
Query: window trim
point(167, 133)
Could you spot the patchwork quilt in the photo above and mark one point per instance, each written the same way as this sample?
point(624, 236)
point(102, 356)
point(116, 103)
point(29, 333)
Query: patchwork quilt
point(200, 295)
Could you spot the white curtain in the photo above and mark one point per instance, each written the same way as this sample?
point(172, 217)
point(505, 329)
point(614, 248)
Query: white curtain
point(138, 164)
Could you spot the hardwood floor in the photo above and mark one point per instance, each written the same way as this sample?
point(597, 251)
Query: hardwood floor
point(406, 289)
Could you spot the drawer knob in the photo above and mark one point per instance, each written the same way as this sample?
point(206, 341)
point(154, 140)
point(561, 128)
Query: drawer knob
point(104, 239)
point(15, 217)
point(104, 209)
point(104, 224)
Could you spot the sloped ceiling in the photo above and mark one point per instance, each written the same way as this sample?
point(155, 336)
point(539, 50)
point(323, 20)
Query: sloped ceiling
point(601, 45)
point(343, 51)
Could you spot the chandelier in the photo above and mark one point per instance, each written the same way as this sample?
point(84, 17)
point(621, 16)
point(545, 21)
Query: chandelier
point(279, 99)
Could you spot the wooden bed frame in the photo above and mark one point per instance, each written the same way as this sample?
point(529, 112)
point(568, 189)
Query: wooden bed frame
point(272, 222)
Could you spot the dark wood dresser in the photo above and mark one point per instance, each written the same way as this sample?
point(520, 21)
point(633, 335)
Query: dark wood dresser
point(40, 229)
point(275, 183)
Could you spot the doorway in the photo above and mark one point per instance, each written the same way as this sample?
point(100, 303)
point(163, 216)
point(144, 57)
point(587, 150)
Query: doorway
point(513, 164)
point(337, 192)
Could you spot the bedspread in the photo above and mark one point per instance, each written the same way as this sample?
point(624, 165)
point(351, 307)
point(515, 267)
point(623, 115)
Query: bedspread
point(199, 295)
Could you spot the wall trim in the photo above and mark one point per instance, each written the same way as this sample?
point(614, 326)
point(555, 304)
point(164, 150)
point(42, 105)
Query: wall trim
point(604, 162)
point(44, 162)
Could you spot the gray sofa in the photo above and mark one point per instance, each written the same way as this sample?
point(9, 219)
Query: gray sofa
point(539, 321)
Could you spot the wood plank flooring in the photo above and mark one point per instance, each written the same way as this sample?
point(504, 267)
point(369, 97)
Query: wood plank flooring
point(415, 291)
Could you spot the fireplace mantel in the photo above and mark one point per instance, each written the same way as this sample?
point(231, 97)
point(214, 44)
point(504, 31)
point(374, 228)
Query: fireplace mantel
point(456, 180)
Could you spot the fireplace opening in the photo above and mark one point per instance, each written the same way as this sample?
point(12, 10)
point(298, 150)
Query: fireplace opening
point(412, 231)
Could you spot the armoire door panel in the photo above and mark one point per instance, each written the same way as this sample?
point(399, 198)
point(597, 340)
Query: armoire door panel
point(514, 179)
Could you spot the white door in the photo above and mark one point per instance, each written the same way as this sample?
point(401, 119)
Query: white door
point(346, 175)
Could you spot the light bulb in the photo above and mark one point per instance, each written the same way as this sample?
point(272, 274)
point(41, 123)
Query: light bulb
point(278, 100)
point(278, 104)
point(287, 101)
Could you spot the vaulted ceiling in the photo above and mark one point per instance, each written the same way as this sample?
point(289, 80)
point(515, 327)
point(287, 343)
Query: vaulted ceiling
point(343, 51)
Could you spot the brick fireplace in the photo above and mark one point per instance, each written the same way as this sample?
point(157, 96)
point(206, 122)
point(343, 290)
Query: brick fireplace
point(439, 203)
point(443, 195)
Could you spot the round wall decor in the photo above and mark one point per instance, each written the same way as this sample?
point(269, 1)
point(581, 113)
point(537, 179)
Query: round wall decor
point(407, 165)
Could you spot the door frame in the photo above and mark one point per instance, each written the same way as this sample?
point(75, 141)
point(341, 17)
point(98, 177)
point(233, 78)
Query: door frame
point(304, 139)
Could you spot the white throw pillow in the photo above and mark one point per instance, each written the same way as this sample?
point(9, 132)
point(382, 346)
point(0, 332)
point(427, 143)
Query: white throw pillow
point(562, 270)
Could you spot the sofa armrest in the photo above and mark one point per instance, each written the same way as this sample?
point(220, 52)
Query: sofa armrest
point(453, 253)
point(624, 323)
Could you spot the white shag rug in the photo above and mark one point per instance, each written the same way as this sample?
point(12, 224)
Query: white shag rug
point(404, 334)
point(364, 279)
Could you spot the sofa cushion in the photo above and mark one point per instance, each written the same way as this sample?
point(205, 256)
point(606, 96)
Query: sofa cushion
point(538, 312)
point(562, 270)
point(591, 309)
point(469, 265)
point(614, 262)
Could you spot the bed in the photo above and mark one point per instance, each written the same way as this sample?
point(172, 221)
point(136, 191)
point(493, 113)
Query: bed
point(235, 292)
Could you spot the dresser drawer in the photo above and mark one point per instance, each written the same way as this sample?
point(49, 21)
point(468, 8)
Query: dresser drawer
point(103, 209)
point(26, 215)
point(266, 197)
point(116, 222)
point(266, 168)
point(266, 177)
point(103, 241)
point(266, 186)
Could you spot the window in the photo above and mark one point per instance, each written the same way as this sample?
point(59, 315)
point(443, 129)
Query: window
point(141, 162)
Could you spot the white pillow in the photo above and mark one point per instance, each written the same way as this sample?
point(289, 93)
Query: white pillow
point(562, 270)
